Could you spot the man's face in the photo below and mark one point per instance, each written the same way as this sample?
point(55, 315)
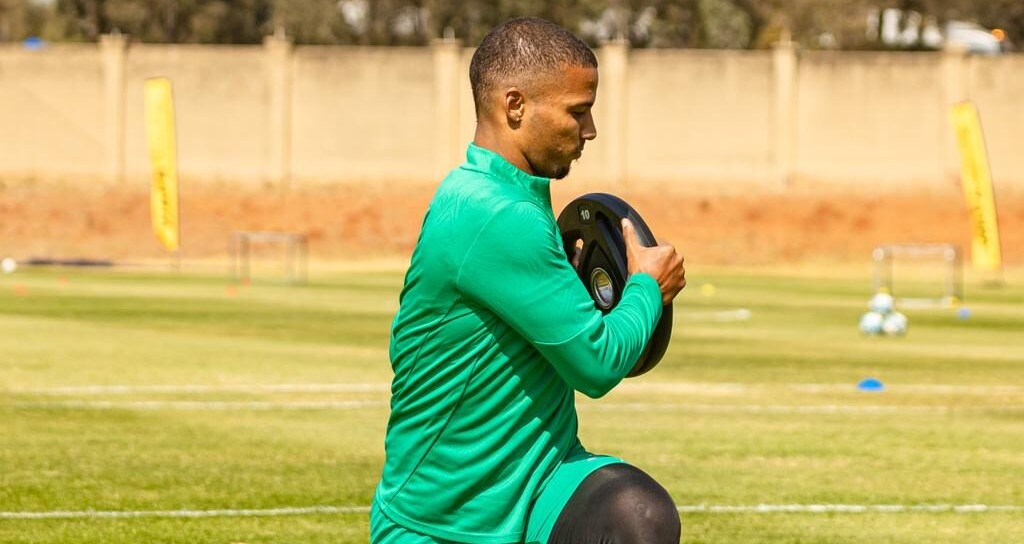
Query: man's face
point(557, 121)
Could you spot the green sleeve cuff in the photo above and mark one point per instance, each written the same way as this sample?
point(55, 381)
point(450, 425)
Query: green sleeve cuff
point(649, 285)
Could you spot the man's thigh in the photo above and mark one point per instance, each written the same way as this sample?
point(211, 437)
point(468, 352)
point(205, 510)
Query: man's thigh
point(559, 489)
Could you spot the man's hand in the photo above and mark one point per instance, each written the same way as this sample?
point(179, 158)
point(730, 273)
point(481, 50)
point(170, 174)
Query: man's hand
point(661, 262)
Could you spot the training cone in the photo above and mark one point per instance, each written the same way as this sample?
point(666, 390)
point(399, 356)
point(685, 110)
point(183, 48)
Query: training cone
point(871, 384)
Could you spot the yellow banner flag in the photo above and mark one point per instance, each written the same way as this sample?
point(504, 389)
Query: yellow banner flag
point(977, 184)
point(163, 197)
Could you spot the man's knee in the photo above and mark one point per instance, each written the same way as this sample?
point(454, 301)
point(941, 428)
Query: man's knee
point(618, 504)
point(642, 512)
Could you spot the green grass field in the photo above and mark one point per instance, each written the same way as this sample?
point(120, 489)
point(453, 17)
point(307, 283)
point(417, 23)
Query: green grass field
point(177, 407)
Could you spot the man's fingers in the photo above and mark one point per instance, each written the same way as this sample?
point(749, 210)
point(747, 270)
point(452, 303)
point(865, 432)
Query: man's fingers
point(627, 229)
point(662, 262)
point(633, 247)
point(629, 233)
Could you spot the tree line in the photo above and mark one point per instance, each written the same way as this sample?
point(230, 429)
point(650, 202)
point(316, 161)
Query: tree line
point(736, 24)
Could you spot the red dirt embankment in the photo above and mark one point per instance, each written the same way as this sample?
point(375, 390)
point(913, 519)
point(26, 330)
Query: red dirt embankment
point(346, 222)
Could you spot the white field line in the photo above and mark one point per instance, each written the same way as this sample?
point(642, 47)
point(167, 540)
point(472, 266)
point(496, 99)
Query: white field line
point(723, 388)
point(721, 316)
point(686, 509)
point(794, 409)
point(742, 388)
point(244, 513)
point(187, 405)
point(223, 388)
point(927, 389)
point(847, 508)
point(198, 405)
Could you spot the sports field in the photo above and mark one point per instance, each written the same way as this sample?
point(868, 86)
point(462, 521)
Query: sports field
point(180, 407)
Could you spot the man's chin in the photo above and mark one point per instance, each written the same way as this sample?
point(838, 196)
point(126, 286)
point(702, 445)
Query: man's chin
point(560, 172)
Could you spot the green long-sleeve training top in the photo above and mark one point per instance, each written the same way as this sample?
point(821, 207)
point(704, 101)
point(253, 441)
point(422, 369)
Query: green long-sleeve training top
point(493, 334)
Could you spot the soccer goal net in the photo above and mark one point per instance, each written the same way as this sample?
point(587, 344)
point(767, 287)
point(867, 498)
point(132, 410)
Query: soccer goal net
point(920, 275)
point(271, 253)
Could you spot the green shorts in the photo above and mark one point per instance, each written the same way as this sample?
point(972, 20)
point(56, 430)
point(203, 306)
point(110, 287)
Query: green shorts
point(385, 531)
point(543, 515)
point(559, 489)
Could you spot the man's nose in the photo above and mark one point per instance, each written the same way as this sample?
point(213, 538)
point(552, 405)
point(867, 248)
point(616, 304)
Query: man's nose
point(588, 131)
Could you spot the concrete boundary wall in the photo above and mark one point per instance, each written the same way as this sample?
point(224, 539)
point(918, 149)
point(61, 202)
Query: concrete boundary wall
point(869, 118)
point(701, 115)
point(996, 85)
point(53, 117)
point(284, 115)
point(222, 110)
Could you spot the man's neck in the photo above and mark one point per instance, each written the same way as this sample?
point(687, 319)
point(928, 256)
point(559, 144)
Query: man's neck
point(490, 139)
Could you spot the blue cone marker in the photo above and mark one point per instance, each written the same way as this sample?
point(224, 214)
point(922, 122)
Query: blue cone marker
point(871, 384)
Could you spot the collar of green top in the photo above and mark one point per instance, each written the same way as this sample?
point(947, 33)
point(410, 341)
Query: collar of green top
point(489, 162)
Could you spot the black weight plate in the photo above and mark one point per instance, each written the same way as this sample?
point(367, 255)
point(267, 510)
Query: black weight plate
point(595, 219)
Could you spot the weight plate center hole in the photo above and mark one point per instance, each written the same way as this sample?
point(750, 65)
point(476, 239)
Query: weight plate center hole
point(602, 288)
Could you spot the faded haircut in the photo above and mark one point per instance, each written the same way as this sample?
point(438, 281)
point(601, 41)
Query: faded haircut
point(522, 49)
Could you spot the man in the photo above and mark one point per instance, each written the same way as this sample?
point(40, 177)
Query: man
point(495, 332)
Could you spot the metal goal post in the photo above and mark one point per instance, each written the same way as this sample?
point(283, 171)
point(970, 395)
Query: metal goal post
point(295, 256)
point(942, 263)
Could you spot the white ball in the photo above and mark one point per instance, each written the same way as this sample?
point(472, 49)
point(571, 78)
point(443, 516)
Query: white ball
point(871, 323)
point(895, 324)
point(881, 303)
point(8, 265)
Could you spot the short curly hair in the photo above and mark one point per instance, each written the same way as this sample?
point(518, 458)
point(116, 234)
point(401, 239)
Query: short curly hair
point(522, 49)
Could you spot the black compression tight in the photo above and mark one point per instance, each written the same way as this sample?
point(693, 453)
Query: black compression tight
point(618, 504)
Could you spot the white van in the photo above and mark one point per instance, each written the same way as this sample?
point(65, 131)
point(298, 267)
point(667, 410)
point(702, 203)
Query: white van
point(974, 38)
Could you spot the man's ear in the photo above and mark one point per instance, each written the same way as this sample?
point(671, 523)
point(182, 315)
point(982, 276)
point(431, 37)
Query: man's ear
point(515, 106)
